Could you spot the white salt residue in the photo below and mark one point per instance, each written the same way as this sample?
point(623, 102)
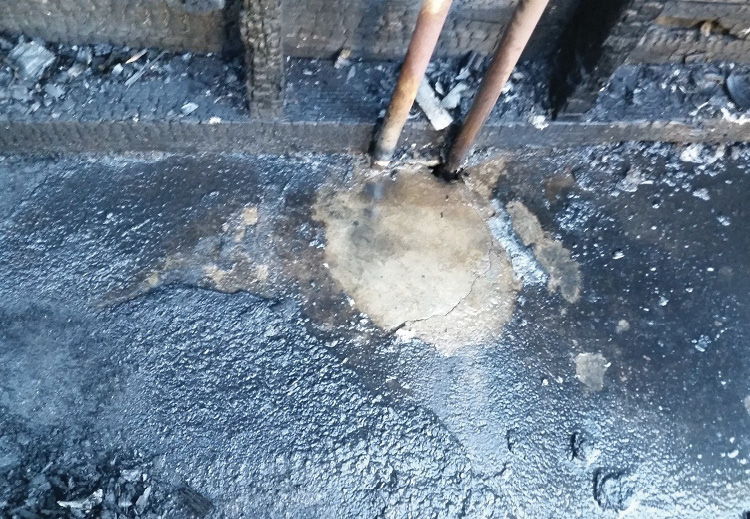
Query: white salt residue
point(525, 266)
point(539, 122)
point(702, 193)
point(634, 178)
point(702, 343)
point(576, 216)
point(692, 154)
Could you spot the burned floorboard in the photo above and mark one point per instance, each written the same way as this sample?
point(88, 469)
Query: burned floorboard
point(136, 23)
point(693, 31)
point(670, 45)
point(344, 137)
point(377, 29)
point(721, 17)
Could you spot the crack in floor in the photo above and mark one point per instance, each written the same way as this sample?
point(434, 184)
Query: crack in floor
point(461, 299)
point(416, 255)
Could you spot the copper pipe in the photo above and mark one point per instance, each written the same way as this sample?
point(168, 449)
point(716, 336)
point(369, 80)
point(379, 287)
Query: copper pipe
point(516, 37)
point(423, 41)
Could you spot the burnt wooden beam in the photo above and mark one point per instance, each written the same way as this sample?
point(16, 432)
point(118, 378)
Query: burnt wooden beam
point(260, 29)
point(689, 31)
point(663, 45)
point(599, 39)
point(370, 29)
point(715, 16)
point(283, 136)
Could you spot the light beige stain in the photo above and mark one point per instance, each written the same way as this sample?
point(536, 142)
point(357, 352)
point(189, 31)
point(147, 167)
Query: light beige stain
point(413, 252)
point(247, 218)
point(564, 273)
point(482, 179)
point(243, 275)
point(590, 370)
point(228, 268)
point(622, 326)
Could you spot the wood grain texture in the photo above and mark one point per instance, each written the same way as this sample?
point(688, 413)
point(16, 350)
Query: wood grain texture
point(260, 28)
point(374, 29)
point(289, 137)
point(136, 23)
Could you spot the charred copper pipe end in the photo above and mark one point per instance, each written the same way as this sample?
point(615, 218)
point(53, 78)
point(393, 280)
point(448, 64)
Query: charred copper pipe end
point(426, 33)
point(516, 37)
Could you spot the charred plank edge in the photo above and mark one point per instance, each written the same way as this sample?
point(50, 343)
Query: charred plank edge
point(679, 45)
point(260, 28)
point(283, 137)
point(598, 40)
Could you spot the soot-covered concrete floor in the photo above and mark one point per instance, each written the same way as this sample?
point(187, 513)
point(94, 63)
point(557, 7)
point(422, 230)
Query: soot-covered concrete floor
point(560, 334)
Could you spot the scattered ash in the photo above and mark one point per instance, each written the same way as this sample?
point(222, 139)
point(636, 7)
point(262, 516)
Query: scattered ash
point(51, 476)
point(45, 81)
point(318, 89)
point(576, 214)
point(525, 97)
point(95, 82)
point(664, 92)
point(342, 89)
point(609, 169)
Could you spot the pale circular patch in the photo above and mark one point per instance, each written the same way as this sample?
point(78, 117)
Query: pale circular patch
point(413, 252)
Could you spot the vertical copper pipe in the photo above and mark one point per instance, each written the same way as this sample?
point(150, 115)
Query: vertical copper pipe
point(516, 37)
point(426, 33)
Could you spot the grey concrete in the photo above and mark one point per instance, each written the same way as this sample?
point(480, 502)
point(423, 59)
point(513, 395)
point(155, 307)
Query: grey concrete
point(272, 397)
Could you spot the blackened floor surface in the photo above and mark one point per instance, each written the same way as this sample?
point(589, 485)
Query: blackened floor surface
point(172, 344)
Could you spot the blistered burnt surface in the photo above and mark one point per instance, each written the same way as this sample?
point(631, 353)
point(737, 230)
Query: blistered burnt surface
point(727, 17)
point(136, 336)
